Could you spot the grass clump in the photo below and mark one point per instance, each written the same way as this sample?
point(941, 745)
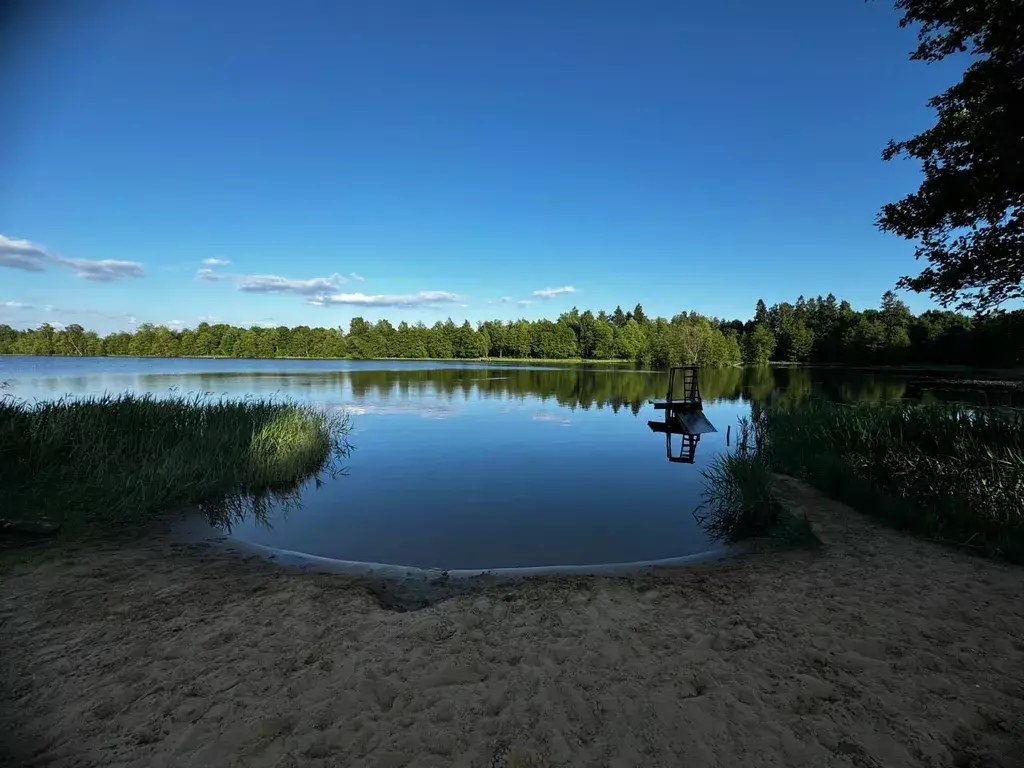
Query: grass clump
point(951, 473)
point(739, 500)
point(120, 460)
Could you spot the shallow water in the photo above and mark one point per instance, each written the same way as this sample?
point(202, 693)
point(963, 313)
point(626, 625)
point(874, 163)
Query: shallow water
point(478, 465)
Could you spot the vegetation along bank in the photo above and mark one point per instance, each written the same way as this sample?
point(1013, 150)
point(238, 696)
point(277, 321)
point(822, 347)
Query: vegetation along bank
point(949, 473)
point(96, 463)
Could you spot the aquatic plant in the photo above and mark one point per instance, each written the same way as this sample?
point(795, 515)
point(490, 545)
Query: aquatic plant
point(739, 499)
point(121, 460)
point(951, 473)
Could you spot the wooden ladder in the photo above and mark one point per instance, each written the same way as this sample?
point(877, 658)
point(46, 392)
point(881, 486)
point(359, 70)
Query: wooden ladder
point(691, 389)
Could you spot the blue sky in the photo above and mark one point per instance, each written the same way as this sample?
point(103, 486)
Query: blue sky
point(415, 160)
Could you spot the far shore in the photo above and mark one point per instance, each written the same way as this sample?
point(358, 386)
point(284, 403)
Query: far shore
point(1009, 374)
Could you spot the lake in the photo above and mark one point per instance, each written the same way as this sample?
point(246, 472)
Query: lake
point(481, 465)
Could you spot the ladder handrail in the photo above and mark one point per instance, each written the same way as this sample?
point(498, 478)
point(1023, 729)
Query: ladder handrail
point(691, 386)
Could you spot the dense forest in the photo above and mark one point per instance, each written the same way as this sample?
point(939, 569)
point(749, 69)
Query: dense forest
point(818, 330)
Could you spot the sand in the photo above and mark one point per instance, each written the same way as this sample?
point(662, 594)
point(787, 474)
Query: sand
point(876, 649)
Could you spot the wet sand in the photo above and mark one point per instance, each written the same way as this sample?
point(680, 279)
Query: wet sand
point(876, 649)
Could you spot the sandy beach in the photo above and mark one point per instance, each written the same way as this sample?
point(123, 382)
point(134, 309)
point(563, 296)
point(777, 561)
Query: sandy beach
point(875, 649)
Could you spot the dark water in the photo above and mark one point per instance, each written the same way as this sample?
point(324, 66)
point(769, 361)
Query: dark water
point(484, 466)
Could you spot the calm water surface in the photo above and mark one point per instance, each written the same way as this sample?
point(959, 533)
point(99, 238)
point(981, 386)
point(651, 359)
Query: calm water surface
point(478, 465)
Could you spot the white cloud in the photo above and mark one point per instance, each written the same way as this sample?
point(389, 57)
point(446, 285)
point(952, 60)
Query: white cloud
point(274, 284)
point(550, 293)
point(175, 325)
point(21, 254)
point(209, 276)
point(356, 276)
point(524, 302)
point(421, 299)
point(104, 270)
point(16, 305)
point(216, 262)
point(505, 299)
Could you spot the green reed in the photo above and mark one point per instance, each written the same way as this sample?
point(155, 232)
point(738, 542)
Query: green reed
point(951, 473)
point(121, 460)
point(739, 499)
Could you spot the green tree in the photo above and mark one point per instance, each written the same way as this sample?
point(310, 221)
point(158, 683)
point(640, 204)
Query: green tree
point(468, 343)
point(865, 340)
point(7, 338)
point(604, 340)
point(495, 333)
point(795, 339)
point(760, 312)
point(70, 341)
point(759, 345)
point(439, 343)
point(629, 341)
point(230, 343)
point(117, 344)
point(587, 334)
point(895, 318)
point(359, 341)
point(968, 213)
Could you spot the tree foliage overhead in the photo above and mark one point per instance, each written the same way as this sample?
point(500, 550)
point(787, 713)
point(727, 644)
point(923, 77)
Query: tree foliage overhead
point(968, 213)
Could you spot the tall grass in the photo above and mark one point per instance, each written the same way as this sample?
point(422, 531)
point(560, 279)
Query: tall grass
point(739, 500)
point(951, 473)
point(120, 460)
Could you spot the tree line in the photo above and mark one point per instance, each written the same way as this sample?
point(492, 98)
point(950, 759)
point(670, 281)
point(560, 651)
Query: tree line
point(815, 330)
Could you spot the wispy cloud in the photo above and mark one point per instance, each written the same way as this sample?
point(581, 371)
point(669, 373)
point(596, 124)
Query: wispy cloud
point(356, 276)
point(524, 302)
point(32, 257)
point(16, 305)
point(88, 312)
point(421, 299)
point(550, 293)
point(276, 284)
point(505, 299)
point(216, 261)
point(21, 254)
point(210, 276)
point(103, 271)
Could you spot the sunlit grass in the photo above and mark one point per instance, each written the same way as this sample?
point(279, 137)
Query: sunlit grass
point(121, 460)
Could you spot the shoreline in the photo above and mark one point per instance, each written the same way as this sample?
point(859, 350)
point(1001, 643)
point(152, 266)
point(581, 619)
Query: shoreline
point(194, 530)
point(876, 648)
